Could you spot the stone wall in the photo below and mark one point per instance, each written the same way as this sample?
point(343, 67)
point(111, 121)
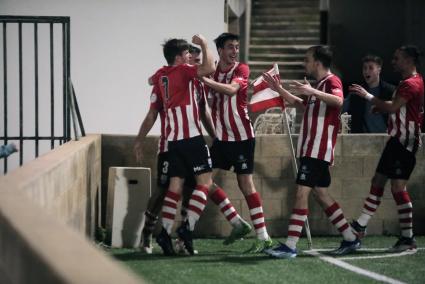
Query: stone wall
point(47, 209)
point(356, 157)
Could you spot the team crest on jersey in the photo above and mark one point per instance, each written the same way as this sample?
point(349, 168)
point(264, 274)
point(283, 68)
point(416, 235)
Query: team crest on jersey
point(304, 170)
point(153, 98)
point(312, 100)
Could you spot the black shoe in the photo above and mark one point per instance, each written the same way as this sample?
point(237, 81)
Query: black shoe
point(358, 230)
point(403, 244)
point(164, 241)
point(347, 247)
point(186, 235)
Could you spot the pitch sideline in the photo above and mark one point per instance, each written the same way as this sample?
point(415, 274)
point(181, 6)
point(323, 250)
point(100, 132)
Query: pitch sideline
point(338, 262)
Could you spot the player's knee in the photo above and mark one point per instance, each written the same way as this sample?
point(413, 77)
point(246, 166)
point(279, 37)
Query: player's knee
point(322, 196)
point(301, 195)
point(378, 180)
point(398, 186)
point(246, 185)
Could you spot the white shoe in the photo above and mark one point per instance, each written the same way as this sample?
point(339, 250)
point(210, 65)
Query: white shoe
point(147, 250)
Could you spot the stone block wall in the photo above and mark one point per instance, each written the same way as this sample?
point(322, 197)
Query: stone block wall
point(47, 211)
point(356, 157)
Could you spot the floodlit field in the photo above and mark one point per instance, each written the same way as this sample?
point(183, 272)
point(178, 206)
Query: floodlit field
point(216, 263)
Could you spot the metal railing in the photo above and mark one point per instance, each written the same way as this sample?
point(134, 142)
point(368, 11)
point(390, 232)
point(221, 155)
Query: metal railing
point(247, 37)
point(28, 49)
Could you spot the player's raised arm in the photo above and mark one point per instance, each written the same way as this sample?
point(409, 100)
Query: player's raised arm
point(207, 67)
point(381, 105)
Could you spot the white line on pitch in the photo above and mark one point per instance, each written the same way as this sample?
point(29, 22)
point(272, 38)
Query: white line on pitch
point(352, 268)
point(365, 249)
point(407, 252)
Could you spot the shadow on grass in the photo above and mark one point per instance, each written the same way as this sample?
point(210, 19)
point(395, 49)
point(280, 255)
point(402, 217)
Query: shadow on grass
point(245, 259)
point(364, 252)
point(130, 256)
point(208, 257)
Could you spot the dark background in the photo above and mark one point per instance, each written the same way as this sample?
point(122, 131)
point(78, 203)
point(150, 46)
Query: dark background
point(359, 27)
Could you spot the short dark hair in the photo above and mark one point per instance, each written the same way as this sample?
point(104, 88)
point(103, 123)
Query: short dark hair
point(413, 52)
point(194, 49)
point(372, 58)
point(321, 53)
point(221, 39)
point(174, 47)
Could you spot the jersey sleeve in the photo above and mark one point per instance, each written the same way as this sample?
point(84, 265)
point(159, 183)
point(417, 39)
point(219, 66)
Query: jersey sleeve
point(156, 99)
point(241, 75)
point(335, 87)
point(191, 71)
point(406, 90)
point(155, 77)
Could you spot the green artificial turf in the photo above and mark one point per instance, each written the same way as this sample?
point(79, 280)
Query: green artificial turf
point(216, 263)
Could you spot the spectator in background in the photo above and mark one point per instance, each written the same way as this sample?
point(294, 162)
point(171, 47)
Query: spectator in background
point(363, 119)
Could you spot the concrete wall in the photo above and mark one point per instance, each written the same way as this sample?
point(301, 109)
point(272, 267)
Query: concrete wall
point(46, 209)
point(65, 182)
point(356, 159)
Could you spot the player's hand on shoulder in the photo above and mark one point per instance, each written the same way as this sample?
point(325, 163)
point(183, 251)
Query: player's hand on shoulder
point(358, 90)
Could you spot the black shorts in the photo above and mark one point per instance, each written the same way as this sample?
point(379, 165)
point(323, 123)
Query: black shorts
point(396, 161)
point(163, 178)
point(313, 172)
point(189, 157)
point(236, 154)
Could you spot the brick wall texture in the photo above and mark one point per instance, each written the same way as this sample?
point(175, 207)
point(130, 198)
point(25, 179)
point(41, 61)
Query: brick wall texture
point(356, 157)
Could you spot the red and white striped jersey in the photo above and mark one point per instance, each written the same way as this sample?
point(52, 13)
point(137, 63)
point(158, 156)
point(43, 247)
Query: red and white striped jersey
point(157, 103)
point(320, 124)
point(230, 113)
point(177, 86)
point(405, 123)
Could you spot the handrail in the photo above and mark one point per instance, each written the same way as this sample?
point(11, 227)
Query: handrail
point(247, 38)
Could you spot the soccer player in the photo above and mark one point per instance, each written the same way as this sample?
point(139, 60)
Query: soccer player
point(163, 179)
point(316, 144)
point(187, 148)
point(235, 143)
point(398, 158)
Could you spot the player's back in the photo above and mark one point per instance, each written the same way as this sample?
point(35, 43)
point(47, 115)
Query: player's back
point(180, 103)
point(175, 84)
